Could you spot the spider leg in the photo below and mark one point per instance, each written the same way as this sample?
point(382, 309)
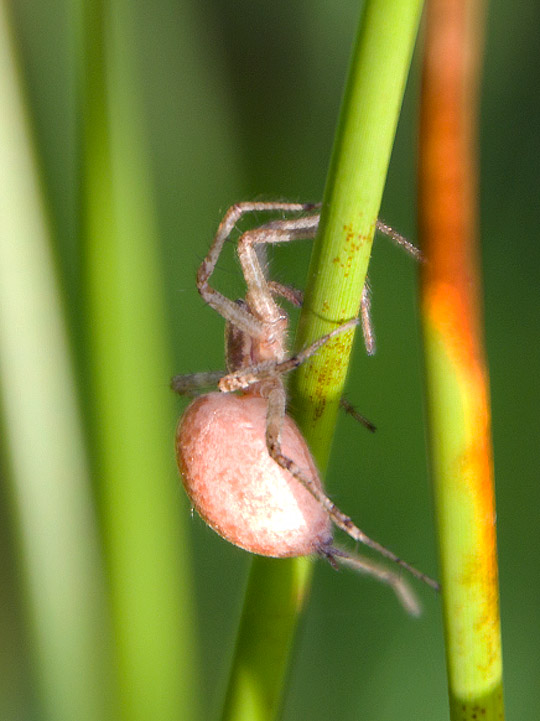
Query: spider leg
point(400, 240)
point(259, 295)
point(404, 593)
point(351, 410)
point(189, 384)
point(365, 314)
point(279, 231)
point(365, 307)
point(293, 295)
point(296, 297)
point(245, 377)
point(274, 422)
point(226, 307)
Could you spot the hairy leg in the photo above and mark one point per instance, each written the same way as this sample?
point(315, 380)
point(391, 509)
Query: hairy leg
point(276, 413)
point(337, 555)
point(245, 377)
point(191, 383)
point(223, 305)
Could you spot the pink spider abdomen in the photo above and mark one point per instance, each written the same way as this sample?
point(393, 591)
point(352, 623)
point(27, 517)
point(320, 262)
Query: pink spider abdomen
point(238, 489)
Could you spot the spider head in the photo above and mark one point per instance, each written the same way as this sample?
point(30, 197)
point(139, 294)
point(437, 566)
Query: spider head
point(243, 350)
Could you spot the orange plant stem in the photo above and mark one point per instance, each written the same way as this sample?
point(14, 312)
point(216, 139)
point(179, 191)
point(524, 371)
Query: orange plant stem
point(457, 381)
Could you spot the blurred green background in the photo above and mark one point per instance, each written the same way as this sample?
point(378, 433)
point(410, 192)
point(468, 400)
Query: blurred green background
point(237, 101)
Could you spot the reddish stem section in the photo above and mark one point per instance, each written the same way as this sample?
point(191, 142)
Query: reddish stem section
point(448, 184)
point(448, 189)
point(448, 193)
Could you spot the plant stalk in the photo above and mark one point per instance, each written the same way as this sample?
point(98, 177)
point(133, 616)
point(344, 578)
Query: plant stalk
point(62, 578)
point(456, 373)
point(365, 134)
point(133, 417)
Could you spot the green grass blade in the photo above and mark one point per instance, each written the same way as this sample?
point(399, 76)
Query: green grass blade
point(133, 408)
point(61, 572)
point(372, 102)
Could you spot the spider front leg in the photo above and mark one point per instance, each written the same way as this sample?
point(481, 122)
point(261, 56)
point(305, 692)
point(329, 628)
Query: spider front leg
point(226, 307)
point(365, 315)
point(259, 294)
point(399, 240)
point(296, 298)
point(292, 295)
point(260, 290)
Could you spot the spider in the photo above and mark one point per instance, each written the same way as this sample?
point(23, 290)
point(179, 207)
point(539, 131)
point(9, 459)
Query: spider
point(244, 463)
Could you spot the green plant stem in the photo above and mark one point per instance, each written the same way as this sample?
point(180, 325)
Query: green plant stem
point(132, 410)
point(351, 205)
point(365, 135)
point(61, 573)
point(274, 598)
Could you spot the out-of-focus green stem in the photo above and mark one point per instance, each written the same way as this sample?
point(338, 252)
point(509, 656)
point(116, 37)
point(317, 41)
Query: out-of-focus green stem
point(456, 373)
point(132, 410)
point(42, 435)
point(364, 139)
